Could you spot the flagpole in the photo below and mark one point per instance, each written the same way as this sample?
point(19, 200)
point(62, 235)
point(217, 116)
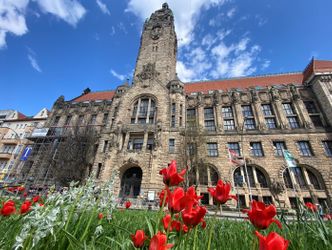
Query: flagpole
point(289, 168)
point(245, 163)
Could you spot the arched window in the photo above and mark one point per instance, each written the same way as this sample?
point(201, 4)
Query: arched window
point(207, 176)
point(313, 179)
point(131, 182)
point(143, 111)
point(240, 176)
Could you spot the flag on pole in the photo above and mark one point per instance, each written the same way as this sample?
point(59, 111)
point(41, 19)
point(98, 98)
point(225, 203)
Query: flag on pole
point(289, 158)
point(234, 157)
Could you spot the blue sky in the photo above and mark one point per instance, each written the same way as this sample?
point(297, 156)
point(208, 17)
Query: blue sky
point(60, 47)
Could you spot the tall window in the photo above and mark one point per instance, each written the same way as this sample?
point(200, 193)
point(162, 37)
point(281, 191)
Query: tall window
point(235, 147)
point(269, 116)
point(171, 146)
point(93, 119)
point(81, 120)
point(328, 147)
point(305, 148)
point(173, 112)
point(191, 117)
point(249, 120)
point(313, 113)
point(135, 142)
point(56, 121)
point(68, 119)
point(291, 115)
point(209, 119)
point(3, 164)
point(278, 147)
point(150, 142)
point(256, 149)
point(212, 149)
point(227, 114)
point(240, 176)
point(180, 115)
point(143, 111)
point(105, 118)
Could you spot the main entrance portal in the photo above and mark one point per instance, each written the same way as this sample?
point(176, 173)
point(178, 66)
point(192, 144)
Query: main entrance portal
point(131, 182)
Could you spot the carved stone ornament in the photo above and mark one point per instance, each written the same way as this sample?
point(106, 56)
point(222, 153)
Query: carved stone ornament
point(295, 93)
point(275, 94)
point(254, 95)
point(156, 32)
point(131, 161)
point(236, 97)
point(148, 73)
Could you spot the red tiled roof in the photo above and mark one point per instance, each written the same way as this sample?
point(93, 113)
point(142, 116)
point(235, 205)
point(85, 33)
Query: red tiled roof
point(93, 96)
point(21, 116)
point(315, 66)
point(244, 82)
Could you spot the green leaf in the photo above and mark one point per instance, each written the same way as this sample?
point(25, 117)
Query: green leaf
point(75, 243)
point(149, 226)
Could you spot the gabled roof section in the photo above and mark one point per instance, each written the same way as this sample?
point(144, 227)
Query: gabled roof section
point(244, 82)
point(317, 66)
point(94, 96)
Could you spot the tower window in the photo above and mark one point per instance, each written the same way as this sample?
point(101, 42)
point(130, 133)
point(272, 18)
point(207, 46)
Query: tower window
point(143, 111)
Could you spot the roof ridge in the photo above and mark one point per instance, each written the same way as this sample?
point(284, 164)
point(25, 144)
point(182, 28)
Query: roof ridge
point(246, 77)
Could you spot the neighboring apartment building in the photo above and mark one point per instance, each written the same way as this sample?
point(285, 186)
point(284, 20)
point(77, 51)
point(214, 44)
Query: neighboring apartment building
point(142, 127)
point(14, 130)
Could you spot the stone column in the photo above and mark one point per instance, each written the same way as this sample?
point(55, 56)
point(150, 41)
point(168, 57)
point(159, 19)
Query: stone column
point(219, 120)
point(238, 116)
point(280, 114)
point(200, 116)
point(259, 115)
point(145, 140)
point(302, 113)
point(126, 140)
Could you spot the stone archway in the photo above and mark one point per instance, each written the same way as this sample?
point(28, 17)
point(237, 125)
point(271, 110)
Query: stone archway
point(131, 182)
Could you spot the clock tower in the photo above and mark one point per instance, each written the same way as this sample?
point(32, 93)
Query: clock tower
point(156, 61)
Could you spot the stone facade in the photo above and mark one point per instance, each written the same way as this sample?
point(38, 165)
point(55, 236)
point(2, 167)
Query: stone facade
point(142, 126)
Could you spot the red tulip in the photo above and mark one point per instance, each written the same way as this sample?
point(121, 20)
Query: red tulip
point(221, 192)
point(8, 208)
point(312, 207)
point(20, 189)
point(191, 198)
point(41, 205)
point(159, 242)
point(138, 238)
point(25, 207)
point(328, 216)
point(36, 198)
point(261, 216)
point(175, 200)
point(25, 194)
point(100, 216)
point(166, 220)
point(272, 242)
point(192, 217)
point(127, 204)
point(170, 175)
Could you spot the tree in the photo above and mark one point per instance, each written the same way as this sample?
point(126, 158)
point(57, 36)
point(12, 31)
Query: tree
point(74, 153)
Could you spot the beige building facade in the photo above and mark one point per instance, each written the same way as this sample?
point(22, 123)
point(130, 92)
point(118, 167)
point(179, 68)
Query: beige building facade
point(142, 126)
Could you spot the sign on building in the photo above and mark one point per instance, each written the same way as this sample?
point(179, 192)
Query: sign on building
point(39, 132)
point(26, 153)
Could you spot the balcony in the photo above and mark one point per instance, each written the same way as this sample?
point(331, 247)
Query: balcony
point(5, 155)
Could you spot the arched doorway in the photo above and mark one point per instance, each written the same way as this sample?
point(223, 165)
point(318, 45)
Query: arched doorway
point(131, 182)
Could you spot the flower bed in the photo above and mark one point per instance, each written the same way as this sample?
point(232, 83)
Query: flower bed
point(87, 218)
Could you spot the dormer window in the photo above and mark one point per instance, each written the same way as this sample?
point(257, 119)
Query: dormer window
point(143, 111)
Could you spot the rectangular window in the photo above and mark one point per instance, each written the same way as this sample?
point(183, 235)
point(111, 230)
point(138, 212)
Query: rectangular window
point(229, 124)
point(173, 121)
point(191, 117)
point(288, 109)
point(311, 107)
point(150, 143)
point(316, 120)
point(68, 119)
point(256, 149)
point(267, 110)
point(271, 123)
point(247, 111)
point(209, 119)
point(305, 148)
point(191, 149)
point(293, 122)
point(135, 142)
point(81, 120)
point(98, 170)
point(212, 149)
point(249, 123)
point(56, 121)
point(173, 108)
point(105, 118)
point(93, 119)
point(171, 146)
point(235, 147)
point(3, 164)
point(278, 147)
point(328, 147)
point(227, 112)
point(105, 146)
point(181, 109)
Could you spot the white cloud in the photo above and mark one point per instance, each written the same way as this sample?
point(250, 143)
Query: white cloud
point(184, 73)
point(12, 19)
point(33, 60)
point(71, 11)
point(119, 76)
point(186, 13)
point(231, 13)
point(103, 7)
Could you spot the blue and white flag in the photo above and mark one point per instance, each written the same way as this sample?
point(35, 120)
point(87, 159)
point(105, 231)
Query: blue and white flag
point(289, 158)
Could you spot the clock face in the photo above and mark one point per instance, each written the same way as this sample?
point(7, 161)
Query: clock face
point(156, 32)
